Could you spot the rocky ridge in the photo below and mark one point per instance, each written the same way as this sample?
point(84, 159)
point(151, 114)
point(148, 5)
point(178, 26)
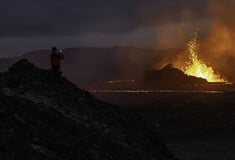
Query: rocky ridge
point(44, 116)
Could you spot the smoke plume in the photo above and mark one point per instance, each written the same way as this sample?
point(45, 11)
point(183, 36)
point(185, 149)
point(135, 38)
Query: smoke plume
point(219, 45)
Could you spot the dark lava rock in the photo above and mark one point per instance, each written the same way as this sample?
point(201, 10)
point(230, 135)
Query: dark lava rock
point(45, 117)
point(170, 77)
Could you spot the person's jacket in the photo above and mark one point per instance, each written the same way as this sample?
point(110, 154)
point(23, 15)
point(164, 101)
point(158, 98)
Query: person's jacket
point(55, 58)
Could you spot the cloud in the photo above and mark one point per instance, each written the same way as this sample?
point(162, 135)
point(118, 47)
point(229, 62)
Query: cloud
point(30, 18)
point(168, 35)
point(154, 24)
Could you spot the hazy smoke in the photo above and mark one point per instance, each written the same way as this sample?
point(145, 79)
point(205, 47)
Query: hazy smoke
point(219, 46)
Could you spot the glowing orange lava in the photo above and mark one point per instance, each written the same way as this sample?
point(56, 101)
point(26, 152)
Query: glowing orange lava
point(196, 67)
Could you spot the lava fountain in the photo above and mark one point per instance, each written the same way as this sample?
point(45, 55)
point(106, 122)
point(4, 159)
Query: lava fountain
point(196, 67)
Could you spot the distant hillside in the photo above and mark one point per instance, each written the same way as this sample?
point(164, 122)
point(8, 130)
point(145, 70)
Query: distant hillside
point(88, 67)
point(43, 116)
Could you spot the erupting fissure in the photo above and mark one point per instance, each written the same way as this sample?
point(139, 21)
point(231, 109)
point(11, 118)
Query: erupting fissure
point(196, 67)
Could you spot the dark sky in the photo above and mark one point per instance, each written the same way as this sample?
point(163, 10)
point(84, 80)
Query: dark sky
point(39, 24)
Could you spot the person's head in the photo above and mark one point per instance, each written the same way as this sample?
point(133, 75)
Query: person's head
point(53, 49)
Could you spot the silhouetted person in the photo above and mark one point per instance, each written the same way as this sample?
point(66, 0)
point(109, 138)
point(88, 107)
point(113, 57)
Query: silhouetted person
point(55, 57)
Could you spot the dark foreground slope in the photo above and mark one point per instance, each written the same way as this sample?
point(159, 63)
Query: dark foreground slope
point(196, 125)
point(46, 117)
